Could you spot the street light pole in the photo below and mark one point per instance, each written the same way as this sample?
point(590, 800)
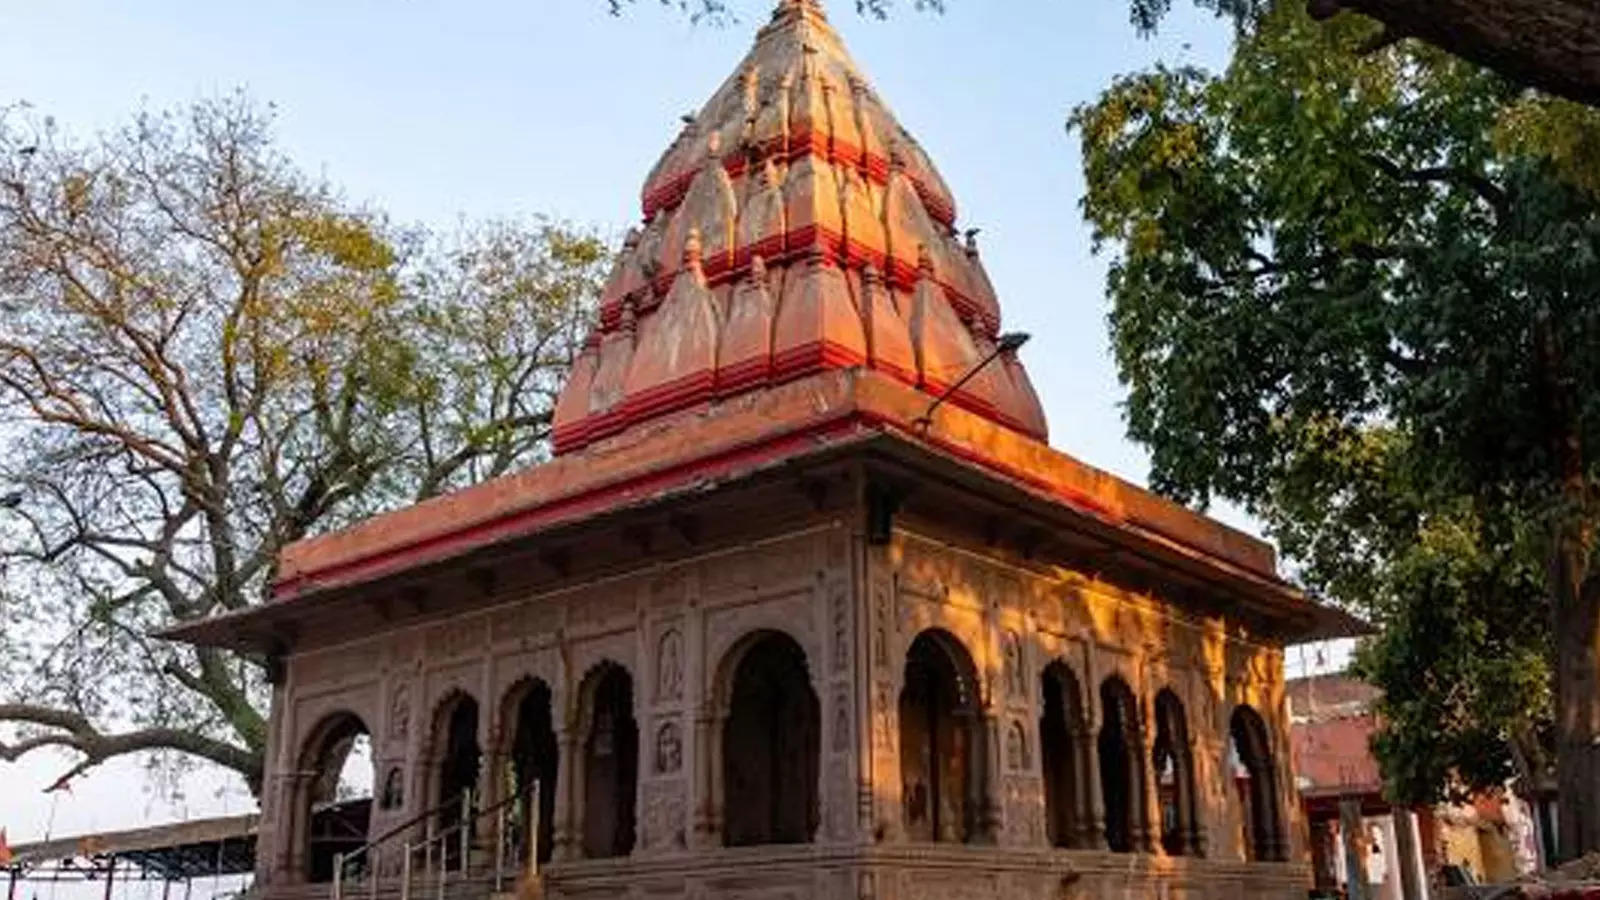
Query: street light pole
point(1008, 343)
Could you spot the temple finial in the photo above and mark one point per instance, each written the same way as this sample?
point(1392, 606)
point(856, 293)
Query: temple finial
point(796, 7)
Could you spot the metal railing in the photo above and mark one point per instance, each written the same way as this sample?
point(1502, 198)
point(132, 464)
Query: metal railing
point(435, 847)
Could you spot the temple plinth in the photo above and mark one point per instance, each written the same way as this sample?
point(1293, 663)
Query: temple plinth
point(764, 626)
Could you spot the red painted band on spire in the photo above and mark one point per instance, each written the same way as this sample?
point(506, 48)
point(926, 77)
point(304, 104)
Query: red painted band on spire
point(736, 378)
point(813, 357)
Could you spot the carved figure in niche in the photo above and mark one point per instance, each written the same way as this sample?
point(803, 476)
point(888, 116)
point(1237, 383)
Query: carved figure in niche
point(880, 637)
point(1016, 747)
point(841, 724)
point(394, 789)
point(669, 666)
point(1015, 683)
point(883, 716)
point(400, 712)
point(841, 634)
point(669, 749)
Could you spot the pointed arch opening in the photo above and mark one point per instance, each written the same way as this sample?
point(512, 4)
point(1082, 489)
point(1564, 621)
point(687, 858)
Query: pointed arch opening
point(610, 763)
point(1122, 780)
point(771, 745)
point(941, 741)
point(531, 758)
point(1064, 754)
point(460, 758)
point(333, 802)
point(1172, 761)
point(1255, 775)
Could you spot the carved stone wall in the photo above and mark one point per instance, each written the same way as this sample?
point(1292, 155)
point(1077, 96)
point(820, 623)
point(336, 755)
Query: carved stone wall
point(853, 608)
point(1014, 621)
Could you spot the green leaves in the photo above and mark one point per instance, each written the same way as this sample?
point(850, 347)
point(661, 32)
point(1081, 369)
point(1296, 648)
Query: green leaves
point(1352, 290)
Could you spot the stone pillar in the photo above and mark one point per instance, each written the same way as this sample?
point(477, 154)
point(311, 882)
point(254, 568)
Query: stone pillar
point(1195, 836)
point(1355, 848)
point(706, 827)
point(1086, 816)
point(490, 788)
point(273, 832)
point(1413, 886)
point(295, 825)
point(889, 778)
point(989, 810)
point(1145, 827)
point(1097, 798)
point(564, 834)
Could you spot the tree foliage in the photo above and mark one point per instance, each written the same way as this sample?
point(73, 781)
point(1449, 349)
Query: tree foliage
point(1552, 45)
point(206, 354)
point(1353, 290)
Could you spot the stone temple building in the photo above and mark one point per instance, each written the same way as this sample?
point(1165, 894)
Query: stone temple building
point(768, 626)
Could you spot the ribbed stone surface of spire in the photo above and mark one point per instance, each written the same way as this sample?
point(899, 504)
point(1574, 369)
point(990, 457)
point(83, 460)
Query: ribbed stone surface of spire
point(792, 226)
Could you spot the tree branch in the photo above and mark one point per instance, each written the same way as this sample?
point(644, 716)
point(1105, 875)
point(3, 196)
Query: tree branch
point(74, 731)
point(1553, 45)
point(1476, 182)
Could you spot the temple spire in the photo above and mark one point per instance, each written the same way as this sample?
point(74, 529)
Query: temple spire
point(794, 208)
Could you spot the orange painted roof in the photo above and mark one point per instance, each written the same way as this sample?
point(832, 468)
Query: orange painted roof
point(723, 439)
point(792, 227)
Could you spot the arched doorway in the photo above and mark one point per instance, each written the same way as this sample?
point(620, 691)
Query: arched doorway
point(333, 804)
point(1064, 750)
point(941, 741)
point(531, 757)
point(771, 746)
point(1256, 778)
point(1122, 781)
point(610, 763)
point(455, 732)
point(1173, 763)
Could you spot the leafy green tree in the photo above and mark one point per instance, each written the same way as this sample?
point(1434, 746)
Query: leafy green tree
point(206, 355)
point(1353, 291)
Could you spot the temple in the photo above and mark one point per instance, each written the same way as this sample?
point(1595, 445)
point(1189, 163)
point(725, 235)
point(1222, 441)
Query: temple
point(773, 622)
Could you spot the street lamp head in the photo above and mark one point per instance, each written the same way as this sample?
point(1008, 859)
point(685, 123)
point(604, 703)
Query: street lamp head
point(1008, 343)
point(1011, 340)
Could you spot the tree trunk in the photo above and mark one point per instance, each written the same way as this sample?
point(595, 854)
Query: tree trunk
point(1576, 602)
point(1553, 45)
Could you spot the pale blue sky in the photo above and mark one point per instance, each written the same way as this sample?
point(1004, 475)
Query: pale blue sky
point(489, 108)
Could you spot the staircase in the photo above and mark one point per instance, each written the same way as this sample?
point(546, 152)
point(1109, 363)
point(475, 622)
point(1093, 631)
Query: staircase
point(479, 857)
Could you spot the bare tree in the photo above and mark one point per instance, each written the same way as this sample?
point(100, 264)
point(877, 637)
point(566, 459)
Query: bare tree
point(205, 355)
